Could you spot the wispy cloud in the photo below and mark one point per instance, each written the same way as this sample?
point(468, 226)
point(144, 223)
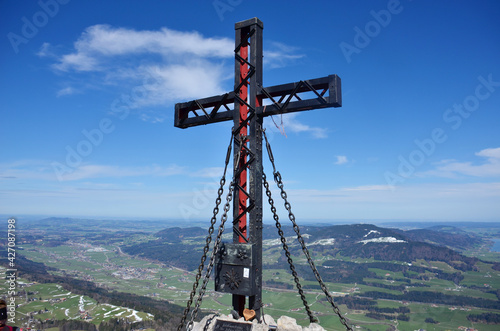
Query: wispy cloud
point(280, 55)
point(369, 188)
point(171, 65)
point(292, 124)
point(213, 172)
point(165, 65)
point(66, 91)
point(101, 43)
point(45, 51)
point(452, 168)
point(423, 201)
point(289, 123)
point(42, 170)
point(105, 171)
point(341, 159)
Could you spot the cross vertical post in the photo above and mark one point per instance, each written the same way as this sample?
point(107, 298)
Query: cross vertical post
point(248, 130)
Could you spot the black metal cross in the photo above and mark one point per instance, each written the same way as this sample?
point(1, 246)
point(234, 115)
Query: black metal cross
point(248, 114)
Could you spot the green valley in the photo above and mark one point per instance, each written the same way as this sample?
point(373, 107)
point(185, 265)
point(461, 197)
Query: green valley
point(382, 278)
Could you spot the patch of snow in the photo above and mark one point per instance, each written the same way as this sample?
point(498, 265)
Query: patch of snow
point(134, 314)
point(271, 242)
point(60, 295)
point(277, 241)
point(369, 233)
point(81, 304)
point(323, 242)
point(110, 305)
point(382, 240)
point(97, 249)
point(111, 311)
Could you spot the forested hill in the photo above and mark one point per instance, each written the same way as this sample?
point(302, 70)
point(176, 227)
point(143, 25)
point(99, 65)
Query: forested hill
point(450, 237)
point(177, 234)
point(349, 241)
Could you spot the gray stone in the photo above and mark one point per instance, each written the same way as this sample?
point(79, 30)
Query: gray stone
point(269, 320)
point(314, 327)
point(286, 323)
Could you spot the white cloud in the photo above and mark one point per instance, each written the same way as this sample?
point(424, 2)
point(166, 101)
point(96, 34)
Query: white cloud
point(90, 185)
point(45, 51)
point(78, 61)
point(492, 153)
point(105, 171)
point(99, 43)
point(280, 55)
point(370, 188)
point(42, 170)
point(152, 118)
point(341, 159)
point(177, 65)
point(193, 79)
point(472, 201)
point(290, 123)
point(164, 65)
point(452, 168)
point(213, 172)
point(66, 91)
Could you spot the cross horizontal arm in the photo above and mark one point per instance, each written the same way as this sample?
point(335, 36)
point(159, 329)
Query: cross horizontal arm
point(208, 110)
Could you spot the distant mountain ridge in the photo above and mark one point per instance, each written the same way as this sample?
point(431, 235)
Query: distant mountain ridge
point(176, 234)
point(450, 237)
point(354, 241)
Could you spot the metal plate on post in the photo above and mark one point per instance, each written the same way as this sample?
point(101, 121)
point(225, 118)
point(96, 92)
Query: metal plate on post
point(235, 270)
point(222, 325)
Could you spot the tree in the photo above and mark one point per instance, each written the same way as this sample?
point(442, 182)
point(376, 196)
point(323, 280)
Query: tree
point(430, 320)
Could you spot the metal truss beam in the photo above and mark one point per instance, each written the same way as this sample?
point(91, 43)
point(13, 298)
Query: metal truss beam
point(208, 110)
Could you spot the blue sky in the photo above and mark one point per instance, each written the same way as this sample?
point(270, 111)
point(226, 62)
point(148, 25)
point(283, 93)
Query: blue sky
point(89, 88)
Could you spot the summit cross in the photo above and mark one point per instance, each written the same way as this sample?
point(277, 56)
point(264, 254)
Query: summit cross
point(247, 114)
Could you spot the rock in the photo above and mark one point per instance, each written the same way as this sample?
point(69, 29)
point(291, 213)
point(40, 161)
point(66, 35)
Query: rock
point(211, 320)
point(256, 326)
point(269, 320)
point(314, 327)
point(286, 323)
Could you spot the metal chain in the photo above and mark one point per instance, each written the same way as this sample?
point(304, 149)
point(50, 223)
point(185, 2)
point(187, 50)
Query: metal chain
point(215, 249)
point(208, 239)
point(291, 216)
point(312, 319)
point(210, 266)
point(209, 321)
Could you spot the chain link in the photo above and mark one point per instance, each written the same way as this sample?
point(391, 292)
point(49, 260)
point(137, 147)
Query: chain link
point(215, 249)
point(209, 321)
point(208, 239)
point(312, 319)
point(210, 266)
point(291, 216)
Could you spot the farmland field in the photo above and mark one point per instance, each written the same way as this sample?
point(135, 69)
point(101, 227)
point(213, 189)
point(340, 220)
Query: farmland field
point(102, 261)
